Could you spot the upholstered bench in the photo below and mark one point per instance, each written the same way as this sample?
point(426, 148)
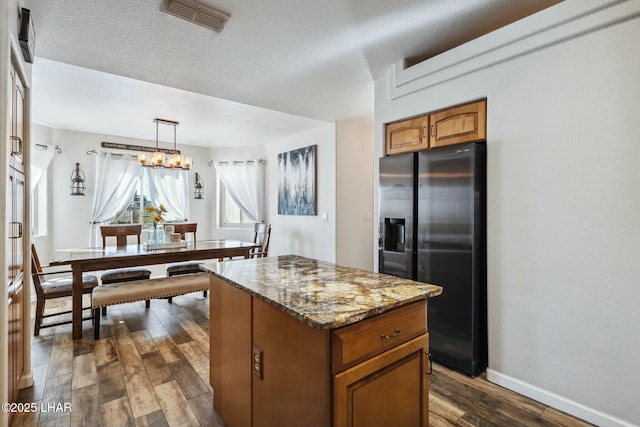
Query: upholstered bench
point(143, 290)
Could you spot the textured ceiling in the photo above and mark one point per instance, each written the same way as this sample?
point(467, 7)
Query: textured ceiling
point(112, 66)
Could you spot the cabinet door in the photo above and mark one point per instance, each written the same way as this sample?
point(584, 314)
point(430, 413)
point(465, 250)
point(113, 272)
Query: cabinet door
point(19, 227)
point(10, 243)
point(465, 123)
point(15, 217)
point(16, 340)
point(362, 394)
point(17, 123)
point(408, 135)
point(11, 359)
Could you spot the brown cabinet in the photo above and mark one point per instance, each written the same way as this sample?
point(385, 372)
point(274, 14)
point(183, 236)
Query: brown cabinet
point(380, 370)
point(455, 125)
point(390, 389)
point(465, 123)
point(267, 368)
point(270, 369)
point(407, 135)
point(14, 245)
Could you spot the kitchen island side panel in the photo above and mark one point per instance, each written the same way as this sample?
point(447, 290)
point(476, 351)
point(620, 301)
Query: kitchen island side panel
point(230, 357)
point(295, 388)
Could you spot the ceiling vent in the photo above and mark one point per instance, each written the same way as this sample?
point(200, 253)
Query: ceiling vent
point(197, 13)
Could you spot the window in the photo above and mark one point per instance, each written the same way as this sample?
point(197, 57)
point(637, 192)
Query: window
point(134, 214)
point(39, 207)
point(168, 188)
point(229, 214)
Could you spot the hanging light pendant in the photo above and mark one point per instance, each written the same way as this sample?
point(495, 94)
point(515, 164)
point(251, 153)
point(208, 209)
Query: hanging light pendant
point(159, 159)
point(77, 181)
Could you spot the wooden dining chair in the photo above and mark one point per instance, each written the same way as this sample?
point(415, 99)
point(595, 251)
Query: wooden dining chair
point(185, 267)
point(56, 287)
point(121, 233)
point(117, 275)
point(261, 236)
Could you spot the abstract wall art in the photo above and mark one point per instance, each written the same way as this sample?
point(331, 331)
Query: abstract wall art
point(297, 181)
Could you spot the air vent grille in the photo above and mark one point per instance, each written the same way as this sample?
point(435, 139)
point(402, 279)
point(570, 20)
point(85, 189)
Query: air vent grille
point(196, 13)
point(181, 10)
point(209, 20)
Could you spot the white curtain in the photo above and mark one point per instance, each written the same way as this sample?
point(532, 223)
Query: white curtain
point(244, 182)
point(169, 187)
point(41, 156)
point(117, 178)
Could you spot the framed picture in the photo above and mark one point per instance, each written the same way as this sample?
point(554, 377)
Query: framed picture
point(297, 181)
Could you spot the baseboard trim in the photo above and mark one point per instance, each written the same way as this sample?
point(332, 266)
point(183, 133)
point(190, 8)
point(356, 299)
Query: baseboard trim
point(556, 401)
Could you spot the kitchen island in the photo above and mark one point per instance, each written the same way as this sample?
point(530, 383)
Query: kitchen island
point(296, 341)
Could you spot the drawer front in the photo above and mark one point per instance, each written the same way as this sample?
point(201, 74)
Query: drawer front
point(360, 341)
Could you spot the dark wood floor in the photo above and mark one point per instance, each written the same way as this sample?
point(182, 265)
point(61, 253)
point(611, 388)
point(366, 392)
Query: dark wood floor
point(151, 368)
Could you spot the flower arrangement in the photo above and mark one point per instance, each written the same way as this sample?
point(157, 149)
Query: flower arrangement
point(157, 213)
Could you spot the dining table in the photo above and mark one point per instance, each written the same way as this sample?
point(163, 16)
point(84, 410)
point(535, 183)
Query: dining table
point(83, 260)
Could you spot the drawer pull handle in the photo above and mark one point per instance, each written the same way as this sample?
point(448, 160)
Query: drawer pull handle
point(393, 335)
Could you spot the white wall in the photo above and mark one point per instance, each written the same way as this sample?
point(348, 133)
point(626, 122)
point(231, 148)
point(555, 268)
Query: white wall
point(354, 193)
point(305, 235)
point(563, 198)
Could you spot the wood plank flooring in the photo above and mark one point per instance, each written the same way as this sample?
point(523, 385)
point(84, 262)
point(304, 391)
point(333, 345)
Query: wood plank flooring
point(151, 368)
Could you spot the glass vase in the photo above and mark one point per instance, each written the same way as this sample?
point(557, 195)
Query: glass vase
point(159, 233)
point(156, 234)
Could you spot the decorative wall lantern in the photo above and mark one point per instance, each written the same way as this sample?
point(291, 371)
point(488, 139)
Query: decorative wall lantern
point(198, 191)
point(77, 181)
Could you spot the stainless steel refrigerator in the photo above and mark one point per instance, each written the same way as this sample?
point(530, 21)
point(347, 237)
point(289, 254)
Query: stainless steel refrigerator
point(433, 229)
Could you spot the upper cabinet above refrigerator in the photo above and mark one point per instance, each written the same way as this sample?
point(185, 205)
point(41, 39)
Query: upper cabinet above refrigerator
point(465, 123)
point(408, 135)
point(454, 125)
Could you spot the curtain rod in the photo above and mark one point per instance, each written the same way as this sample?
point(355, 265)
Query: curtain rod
point(46, 147)
point(91, 152)
point(237, 162)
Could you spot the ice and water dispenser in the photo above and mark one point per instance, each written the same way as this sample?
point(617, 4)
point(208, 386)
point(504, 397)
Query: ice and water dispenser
point(394, 239)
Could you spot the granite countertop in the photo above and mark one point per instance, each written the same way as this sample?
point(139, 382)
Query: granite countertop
point(321, 294)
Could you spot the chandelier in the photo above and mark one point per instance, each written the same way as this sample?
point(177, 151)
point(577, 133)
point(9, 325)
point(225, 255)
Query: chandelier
point(159, 160)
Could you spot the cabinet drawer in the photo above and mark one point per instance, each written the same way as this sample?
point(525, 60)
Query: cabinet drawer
point(360, 341)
